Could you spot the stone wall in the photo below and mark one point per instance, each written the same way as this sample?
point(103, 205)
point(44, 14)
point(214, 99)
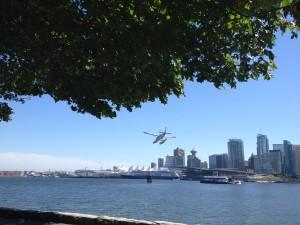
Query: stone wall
point(31, 217)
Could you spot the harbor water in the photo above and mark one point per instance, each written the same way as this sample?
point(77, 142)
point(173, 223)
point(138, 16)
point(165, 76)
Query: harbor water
point(188, 202)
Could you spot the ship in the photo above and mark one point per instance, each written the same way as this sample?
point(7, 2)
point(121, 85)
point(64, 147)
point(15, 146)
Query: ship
point(156, 174)
point(84, 173)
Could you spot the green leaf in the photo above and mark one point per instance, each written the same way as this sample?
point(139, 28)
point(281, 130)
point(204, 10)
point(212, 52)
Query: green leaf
point(285, 3)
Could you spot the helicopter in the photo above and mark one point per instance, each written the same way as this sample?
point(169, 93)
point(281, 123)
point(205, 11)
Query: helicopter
point(160, 137)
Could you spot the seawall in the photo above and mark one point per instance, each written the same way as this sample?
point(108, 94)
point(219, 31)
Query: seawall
point(32, 217)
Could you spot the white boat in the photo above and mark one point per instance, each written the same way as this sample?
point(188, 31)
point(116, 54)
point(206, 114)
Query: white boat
point(237, 182)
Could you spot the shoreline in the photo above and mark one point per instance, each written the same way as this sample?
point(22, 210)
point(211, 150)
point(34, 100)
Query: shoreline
point(34, 217)
point(261, 179)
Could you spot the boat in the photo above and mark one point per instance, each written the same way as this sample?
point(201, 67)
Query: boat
point(236, 182)
point(84, 173)
point(157, 174)
point(219, 180)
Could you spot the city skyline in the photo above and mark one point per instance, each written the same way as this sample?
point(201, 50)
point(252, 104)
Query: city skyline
point(79, 163)
point(283, 159)
point(203, 120)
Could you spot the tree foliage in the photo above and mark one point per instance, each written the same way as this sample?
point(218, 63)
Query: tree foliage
point(101, 56)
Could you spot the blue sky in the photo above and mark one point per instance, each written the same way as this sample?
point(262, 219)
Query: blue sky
point(204, 120)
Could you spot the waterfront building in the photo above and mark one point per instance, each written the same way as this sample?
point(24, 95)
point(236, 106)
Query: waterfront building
point(218, 161)
point(193, 161)
point(153, 165)
point(276, 161)
point(287, 159)
point(169, 163)
point(179, 158)
point(236, 154)
point(160, 162)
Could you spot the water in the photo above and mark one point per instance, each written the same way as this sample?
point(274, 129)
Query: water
point(180, 201)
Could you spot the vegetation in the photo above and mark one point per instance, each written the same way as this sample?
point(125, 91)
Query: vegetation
point(101, 56)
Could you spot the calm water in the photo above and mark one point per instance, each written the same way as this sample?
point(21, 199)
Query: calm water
point(178, 201)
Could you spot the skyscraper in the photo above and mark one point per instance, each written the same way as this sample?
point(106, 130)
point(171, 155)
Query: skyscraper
point(263, 153)
point(236, 154)
point(153, 165)
point(193, 161)
point(262, 145)
point(169, 163)
point(276, 161)
point(218, 161)
point(160, 162)
point(251, 162)
point(256, 162)
point(287, 161)
point(278, 147)
point(296, 161)
point(212, 161)
point(179, 158)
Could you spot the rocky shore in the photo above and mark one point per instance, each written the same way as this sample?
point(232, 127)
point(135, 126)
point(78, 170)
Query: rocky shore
point(10, 216)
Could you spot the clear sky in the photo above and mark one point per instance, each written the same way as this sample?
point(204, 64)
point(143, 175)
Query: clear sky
point(47, 135)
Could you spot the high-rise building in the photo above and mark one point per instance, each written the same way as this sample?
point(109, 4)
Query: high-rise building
point(160, 162)
point(193, 161)
point(263, 153)
point(257, 164)
point(287, 160)
point(251, 162)
point(179, 158)
point(212, 161)
point(296, 161)
point(254, 163)
point(169, 163)
point(296, 147)
point(218, 161)
point(278, 147)
point(276, 161)
point(262, 145)
point(223, 160)
point(236, 154)
point(153, 165)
